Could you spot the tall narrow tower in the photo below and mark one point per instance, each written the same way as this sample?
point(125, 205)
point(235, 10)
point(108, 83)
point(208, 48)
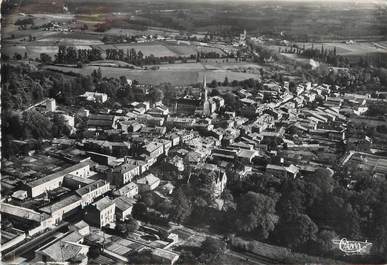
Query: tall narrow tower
point(206, 103)
point(205, 93)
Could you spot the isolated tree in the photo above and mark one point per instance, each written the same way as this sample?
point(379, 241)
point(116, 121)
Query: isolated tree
point(225, 82)
point(96, 75)
point(140, 55)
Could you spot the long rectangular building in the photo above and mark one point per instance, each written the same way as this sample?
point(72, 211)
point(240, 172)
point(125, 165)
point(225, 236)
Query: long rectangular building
point(55, 180)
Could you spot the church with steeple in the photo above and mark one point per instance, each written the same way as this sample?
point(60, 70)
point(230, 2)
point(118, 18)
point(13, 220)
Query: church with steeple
point(206, 103)
point(201, 104)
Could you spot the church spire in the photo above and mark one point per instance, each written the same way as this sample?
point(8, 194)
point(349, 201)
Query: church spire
point(205, 87)
point(206, 103)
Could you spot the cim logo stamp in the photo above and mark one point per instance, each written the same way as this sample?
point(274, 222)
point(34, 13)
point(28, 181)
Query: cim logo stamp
point(353, 247)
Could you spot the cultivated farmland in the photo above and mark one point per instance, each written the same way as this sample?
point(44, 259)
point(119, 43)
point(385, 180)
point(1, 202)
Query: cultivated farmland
point(157, 50)
point(356, 48)
point(179, 74)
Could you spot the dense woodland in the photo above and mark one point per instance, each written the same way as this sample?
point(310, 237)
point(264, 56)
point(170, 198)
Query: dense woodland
point(301, 214)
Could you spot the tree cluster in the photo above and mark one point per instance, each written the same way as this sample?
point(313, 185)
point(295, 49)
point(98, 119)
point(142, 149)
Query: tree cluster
point(355, 79)
point(301, 214)
point(322, 54)
point(137, 58)
point(71, 55)
point(29, 125)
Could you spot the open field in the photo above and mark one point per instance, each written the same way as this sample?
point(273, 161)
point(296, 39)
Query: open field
point(180, 74)
point(32, 51)
point(314, 20)
point(149, 30)
point(356, 48)
point(352, 51)
point(296, 58)
point(342, 48)
point(182, 50)
point(157, 50)
point(49, 44)
point(8, 23)
point(160, 49)
point(112, 63)
point(69, 40)
point(209, 49)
